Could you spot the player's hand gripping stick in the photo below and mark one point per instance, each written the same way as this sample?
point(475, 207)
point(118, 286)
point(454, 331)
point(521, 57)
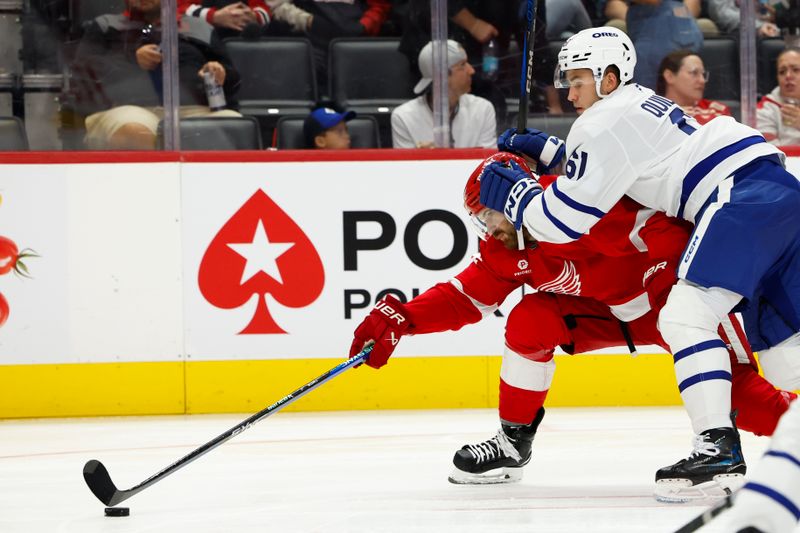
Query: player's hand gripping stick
point(384, 325)
point(548, 151)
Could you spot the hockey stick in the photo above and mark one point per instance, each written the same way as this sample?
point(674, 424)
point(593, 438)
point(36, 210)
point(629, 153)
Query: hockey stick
point(527, 66)
point(99, 481)
point(699, 521)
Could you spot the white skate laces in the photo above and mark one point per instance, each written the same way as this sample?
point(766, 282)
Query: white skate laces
point(704, 447)
point(490, 449)
point(485, 464)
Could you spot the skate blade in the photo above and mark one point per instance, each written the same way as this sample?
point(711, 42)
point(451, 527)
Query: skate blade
point(682, 490)
point(490, 477)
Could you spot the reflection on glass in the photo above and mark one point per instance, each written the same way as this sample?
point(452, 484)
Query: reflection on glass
point(85, 74)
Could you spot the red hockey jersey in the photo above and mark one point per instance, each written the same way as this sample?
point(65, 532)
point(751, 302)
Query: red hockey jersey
point(609, 265)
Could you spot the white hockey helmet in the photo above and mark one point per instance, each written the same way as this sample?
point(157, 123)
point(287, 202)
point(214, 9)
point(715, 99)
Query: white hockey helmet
point(596, 49)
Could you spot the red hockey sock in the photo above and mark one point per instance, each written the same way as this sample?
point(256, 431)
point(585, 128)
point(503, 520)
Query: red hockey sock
point(519, 406)
point(758, 403)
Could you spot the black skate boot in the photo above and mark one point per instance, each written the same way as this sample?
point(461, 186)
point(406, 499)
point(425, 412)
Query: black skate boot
point(714, 469)
point(497, 460)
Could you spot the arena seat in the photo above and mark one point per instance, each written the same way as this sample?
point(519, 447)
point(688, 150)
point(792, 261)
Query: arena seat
point(767, 54)
point(277, 76)
point(721, 60)
point(12, 134)
point(363, 133)
point(557, 125)
point(370, 76)
point(218, 133)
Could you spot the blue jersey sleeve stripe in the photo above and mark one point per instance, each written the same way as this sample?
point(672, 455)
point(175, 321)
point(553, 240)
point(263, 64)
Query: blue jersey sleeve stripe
point(572, 234)
point(577, 206)
point(703, 376)
point(774, 495)
point(701, 169)
point(784, 455)
point(699, 347)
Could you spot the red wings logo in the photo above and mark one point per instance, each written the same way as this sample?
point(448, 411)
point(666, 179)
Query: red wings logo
point(261, 250)
point(568, 282)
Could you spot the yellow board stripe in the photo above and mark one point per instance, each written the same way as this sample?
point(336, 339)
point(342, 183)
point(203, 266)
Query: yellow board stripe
point(91, 389)
point(98, 389)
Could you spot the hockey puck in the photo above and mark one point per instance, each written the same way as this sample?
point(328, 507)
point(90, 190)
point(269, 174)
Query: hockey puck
point(118, 511)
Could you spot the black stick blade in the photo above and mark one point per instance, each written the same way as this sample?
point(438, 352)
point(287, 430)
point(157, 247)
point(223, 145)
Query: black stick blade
point(99, 482)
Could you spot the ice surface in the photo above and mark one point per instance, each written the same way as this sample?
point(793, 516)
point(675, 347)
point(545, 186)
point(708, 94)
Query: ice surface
point(364, 471)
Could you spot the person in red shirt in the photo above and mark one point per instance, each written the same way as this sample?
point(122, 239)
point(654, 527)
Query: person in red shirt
point(229, 17)
point(682, 78)
point(603, 290)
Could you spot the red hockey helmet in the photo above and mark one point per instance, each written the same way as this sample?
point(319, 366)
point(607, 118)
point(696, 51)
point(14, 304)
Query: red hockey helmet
point(472, 191)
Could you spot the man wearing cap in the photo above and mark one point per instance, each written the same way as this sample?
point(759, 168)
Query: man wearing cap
point(472, 119)
point(326, 129)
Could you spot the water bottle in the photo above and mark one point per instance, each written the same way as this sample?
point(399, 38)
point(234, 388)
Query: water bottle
point(214, 92)
point(491, 62)
point(786, 120)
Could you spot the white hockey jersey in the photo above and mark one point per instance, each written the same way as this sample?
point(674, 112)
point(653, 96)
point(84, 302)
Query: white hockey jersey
point(639, 144)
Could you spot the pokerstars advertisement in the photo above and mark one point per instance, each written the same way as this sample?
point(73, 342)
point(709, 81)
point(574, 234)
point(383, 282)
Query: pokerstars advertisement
point(284, 260)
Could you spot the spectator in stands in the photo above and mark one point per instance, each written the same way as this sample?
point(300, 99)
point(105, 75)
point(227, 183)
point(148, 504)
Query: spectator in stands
point(473, 24)
point(287, 18)
point(786, 14)
point(229, 17)
point(725, 14)
point(566, 17)
point(778, 113)
point(326, 129)
point(682, 78)
point(117, 68)
point(472, 119)
point(657, 27)
point(614, 13)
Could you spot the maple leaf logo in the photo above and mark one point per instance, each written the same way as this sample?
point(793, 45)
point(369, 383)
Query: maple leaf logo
point(261, 250)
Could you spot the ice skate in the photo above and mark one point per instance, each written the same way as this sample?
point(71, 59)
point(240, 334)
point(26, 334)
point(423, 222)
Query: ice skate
point(497, 460)
point(714, 469)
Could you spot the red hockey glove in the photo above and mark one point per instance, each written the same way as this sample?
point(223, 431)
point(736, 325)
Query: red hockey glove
point(385, 324)
point(658, 281)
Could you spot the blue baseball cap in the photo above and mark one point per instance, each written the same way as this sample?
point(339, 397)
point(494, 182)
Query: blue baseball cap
point(322, 119)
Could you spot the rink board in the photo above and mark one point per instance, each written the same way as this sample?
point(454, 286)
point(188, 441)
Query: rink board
point(100, 389)
point(138, 305)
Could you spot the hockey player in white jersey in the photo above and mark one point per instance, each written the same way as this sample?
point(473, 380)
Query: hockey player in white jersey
point(723, 177)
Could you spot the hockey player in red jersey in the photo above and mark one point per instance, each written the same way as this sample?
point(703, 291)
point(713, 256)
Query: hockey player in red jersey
point(603, 290)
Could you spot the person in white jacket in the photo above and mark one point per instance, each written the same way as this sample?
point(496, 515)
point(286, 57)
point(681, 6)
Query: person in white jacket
point(472, 119)
point(778, 113)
